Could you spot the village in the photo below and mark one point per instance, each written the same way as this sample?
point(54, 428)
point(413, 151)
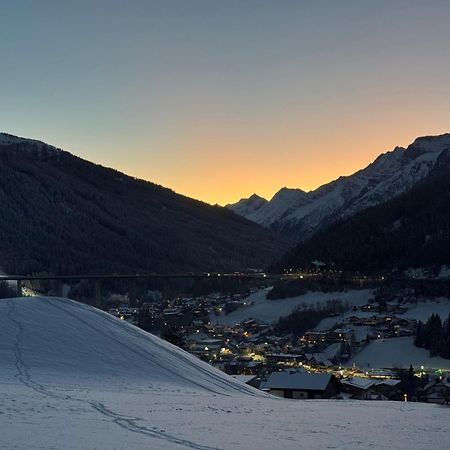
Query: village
point(316, 364)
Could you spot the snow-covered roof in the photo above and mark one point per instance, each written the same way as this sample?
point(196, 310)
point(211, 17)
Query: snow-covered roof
point(388, 382)
point(445, 382)
point(359, 382)
point(244, 378)
point(298, 380)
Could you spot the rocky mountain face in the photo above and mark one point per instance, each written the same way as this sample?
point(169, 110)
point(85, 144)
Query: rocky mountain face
point(248, 206)
point(299, 214)
point(62, 214)
point(412, 230)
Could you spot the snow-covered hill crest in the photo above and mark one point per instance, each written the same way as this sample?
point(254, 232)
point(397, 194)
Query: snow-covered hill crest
point(300, 214)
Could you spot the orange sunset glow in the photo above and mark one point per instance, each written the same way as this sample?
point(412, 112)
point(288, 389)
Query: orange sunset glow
point(222, 168)
point(220, 102)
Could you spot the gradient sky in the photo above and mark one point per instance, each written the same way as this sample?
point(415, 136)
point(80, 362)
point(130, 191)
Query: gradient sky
point(220, 99)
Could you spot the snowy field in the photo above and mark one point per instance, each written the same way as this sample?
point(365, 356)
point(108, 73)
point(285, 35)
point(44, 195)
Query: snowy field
point(73, 377)
point(271, 310)
point(423, 310)
point(397, 352)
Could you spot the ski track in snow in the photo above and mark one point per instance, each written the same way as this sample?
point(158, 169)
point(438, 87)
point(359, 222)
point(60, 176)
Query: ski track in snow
point(221, 383)
point(127, 423)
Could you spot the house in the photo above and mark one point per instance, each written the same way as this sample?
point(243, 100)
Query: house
point(355, 320)
point(437, 391)
point(302, 385)
point(312, 337)
point(341, 334)
point(363, 388)
point(358, 387)
point(389, 388)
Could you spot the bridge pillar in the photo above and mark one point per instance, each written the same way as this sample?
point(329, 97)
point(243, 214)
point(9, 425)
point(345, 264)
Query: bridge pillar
point(133, 292)
point(98, 293)
point(19, 288)
point(59, 288)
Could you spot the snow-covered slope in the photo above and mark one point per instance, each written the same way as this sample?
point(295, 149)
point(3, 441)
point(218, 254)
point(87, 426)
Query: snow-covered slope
point(73, 377)
point(248, 206)
point(261, 308)
point(63, 341)
point(397, 352)
point(299, 214)
point(25, 143)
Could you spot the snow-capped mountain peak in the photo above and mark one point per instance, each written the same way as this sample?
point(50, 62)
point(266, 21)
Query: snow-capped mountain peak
point(248, 206)
point(299, 214)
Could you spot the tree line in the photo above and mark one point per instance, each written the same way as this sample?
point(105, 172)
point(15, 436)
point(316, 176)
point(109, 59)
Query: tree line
point(434, 335)
point(306, 317)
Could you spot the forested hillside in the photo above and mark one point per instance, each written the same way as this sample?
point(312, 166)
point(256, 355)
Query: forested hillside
point(61, 214)
point(411, 230)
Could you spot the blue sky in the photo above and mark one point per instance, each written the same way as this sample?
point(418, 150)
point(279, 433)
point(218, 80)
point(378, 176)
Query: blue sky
point(221, 99)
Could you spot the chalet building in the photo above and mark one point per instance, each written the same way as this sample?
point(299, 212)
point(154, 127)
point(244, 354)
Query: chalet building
point(358, 387)
point(437, 391)
point(371, 389)
point(302, 385)
point(355, 320)
point(313, 337)
point(341, 334)
point(388, 388)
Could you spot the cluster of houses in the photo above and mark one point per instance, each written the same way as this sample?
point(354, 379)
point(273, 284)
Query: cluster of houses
point(354, 332)
point(384, 320)
point(250, 347)
point(309, 367)
point(124, 312)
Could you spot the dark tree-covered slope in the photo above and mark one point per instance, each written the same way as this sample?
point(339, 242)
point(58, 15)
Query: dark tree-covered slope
point(411, 230)
point(62, 214)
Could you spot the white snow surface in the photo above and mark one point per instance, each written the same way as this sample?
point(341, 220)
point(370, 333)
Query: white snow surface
point(269, 311)
point(397, 352)
point(391, 174)
point(423, 310)
point(248, 205)
point(73, 377)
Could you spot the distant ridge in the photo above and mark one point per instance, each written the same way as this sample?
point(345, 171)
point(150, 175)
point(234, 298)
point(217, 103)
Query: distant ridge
point(294, 213)
point(411, 230)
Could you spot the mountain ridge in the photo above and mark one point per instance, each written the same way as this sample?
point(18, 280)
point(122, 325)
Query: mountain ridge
point(390, 174)
point(410, 230)
point(63, 214)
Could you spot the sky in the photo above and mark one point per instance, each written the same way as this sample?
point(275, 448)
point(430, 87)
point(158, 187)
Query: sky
point(221, 99)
